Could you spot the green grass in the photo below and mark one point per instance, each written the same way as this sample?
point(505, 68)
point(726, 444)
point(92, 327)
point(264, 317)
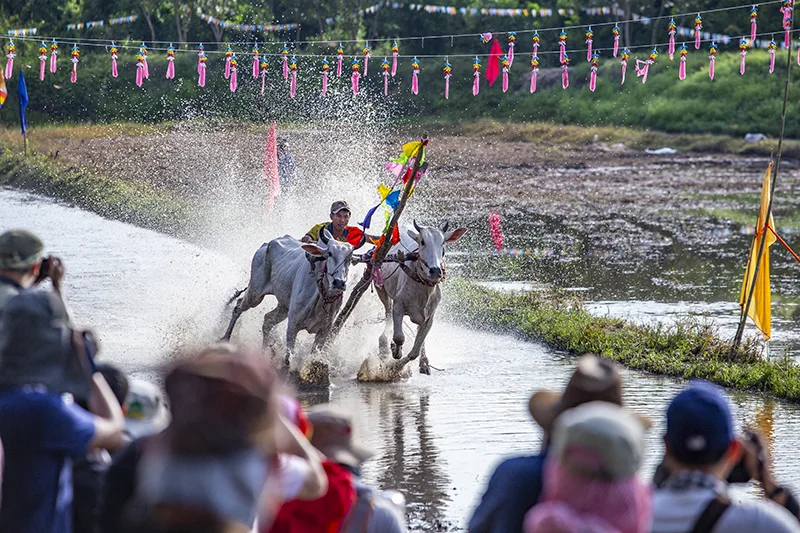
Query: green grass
point(691, 349)
point(134, 203)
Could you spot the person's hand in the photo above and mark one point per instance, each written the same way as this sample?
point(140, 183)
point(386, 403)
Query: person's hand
point(756, 459)
point(56, 272)
point(305, 239)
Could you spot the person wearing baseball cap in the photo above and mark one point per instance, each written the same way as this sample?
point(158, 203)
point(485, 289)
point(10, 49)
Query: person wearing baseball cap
point(591, 474)
point(340, 217)
point(21, 264)
point(701, 451)
point(516, 484)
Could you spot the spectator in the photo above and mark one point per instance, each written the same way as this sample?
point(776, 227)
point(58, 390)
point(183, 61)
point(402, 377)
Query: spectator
point(590, 474)
point(373, 511)
point(40, 359)
point(21, 266)
point(700, 452)
point(206, 471)
point(88, 472)
point(286, 168)
point(516, 484)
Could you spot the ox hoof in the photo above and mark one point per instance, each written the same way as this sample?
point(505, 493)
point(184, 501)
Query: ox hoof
point(377, 369)
point(312, 375)
point(397, 350)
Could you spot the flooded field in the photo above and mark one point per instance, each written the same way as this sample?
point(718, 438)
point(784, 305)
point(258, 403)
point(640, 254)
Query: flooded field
point(436, 437)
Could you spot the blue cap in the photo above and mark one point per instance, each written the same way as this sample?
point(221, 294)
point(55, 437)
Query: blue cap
point(699, 425)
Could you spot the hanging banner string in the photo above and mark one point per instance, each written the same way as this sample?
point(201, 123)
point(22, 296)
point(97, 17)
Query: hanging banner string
point(22, 31)
point(107, 43)
point(637, 19)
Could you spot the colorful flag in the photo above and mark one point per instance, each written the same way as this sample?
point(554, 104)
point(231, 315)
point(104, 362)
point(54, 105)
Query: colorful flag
point(760, 305)
point(270, 172)
point(3, 91)
point(22, 91)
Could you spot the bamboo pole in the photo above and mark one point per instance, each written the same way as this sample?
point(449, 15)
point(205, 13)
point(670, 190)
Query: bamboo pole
point(737, 339)
point(380, 254)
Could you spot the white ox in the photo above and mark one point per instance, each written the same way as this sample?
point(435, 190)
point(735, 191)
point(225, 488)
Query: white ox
point(309, 299)
point(413, 289)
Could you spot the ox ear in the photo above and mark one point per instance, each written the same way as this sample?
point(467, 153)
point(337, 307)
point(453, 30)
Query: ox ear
point(313, 249)
point(454, 235)
point(413, 234)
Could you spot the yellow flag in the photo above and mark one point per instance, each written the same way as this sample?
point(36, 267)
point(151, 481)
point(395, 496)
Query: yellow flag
point(760, 306)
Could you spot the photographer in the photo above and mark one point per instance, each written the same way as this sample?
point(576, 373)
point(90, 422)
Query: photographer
point(702, 456)
point(23, 265)
point(41, 359)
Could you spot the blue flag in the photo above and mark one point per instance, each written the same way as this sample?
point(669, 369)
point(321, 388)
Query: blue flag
point(22, 91)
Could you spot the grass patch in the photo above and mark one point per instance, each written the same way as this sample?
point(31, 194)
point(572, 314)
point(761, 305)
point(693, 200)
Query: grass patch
point(133, 203)
point(690, 349)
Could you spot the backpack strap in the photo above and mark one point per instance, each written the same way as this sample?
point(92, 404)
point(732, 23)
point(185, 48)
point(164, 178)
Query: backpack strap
point(357, 520)
point(711, 515)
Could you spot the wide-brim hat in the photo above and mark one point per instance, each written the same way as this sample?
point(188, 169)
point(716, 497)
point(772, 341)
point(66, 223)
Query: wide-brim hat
point(594, 379)
point(145, 410)
point(332, 434)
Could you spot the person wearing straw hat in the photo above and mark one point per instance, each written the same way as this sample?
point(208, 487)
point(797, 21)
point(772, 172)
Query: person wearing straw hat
point(516, 484)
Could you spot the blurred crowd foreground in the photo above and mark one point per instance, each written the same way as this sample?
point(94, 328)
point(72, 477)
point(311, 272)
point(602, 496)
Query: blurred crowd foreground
point(228, 448)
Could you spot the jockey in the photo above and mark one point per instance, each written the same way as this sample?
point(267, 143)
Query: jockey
point(340, 216)
point(286, 168)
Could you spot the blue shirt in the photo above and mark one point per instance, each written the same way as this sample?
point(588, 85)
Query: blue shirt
point(41, 434)
point(513, 489)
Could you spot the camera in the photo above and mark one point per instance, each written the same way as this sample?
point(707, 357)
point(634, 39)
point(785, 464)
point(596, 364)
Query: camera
point(739, 473)
point(44, 270)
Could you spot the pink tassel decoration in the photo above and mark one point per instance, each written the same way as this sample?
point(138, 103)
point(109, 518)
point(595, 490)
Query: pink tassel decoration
point(476, 75)
point(772, 48)
point(264, 66)
point(53, 55)
point(615, 33)
point(201, 53)
point(415, 76)
point(496, 231)
point(682, 68)
point(354, 77)
point(146, 71)
point(743, 53)
point(234, 63)
point(798, 55)
point(534, 72)
point(712, 60)
point(535, 44)
point(293, 82)
point(385, 68)
point(325, 68)
point(673, 29)
point(114, 54)
point(285, 55)
point(753, 17)
point(565, 71)
point(228, 56)
point(644, 69)
point(201, 68)
point(339, 59)
point(42, 60)
point(447, 70)
point(512, 40)
point(562, 44)
point(140, 69)
point(75, 59)
point(367, 54)
point(788, 7)
point(698, 25)
point(395, 52)
point(170, 62)
point(256, 61)
point(10, 54)
point(593, 75)
point(505, 63)
point(589, 39)
point(624, 62)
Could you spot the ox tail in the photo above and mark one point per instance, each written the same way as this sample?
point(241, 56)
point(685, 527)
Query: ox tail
point(236, 295)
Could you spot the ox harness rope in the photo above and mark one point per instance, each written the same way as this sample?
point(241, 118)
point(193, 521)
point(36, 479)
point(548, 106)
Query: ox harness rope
point(323, 292)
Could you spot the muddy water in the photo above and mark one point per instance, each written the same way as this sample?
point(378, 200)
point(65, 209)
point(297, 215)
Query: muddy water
point(436, 438)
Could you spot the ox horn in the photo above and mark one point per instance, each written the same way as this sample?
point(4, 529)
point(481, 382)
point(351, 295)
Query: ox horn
point(322, 236)
point(444, 228)
point(416, 227)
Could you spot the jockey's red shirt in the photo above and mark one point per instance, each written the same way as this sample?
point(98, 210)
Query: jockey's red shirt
point(352, 234)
